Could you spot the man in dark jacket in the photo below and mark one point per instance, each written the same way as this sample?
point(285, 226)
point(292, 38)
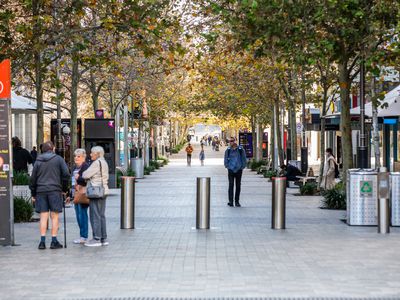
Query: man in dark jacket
point(235, 161)
point(49, 180)
point(21, 156)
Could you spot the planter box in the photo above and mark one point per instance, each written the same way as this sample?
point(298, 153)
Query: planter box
point(22, 191)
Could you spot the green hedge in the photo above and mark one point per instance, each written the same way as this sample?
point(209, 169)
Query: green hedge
point(335, 198)
point(23, 210)
point(309, 188)
point(21, 178)
point(270, 173)
point(256, 164)
point(119, 174)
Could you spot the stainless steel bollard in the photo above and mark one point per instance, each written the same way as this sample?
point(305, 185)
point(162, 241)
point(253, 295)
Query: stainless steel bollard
point(278, 203)
point(127, 202)
point(203, 203)
point(383, 201)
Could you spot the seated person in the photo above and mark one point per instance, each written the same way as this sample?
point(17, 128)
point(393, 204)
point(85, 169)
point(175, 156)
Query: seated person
point(291, 172)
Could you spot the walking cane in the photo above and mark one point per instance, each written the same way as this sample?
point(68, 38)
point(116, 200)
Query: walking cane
point(65, 225)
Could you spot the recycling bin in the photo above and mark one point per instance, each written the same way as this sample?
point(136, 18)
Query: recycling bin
point(395, 198)
point(362, 197)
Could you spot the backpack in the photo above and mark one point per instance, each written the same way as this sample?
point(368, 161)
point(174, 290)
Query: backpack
point(336, 169)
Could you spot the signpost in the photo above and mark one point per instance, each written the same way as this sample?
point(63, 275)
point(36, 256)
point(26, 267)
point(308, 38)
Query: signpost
point(6, 203)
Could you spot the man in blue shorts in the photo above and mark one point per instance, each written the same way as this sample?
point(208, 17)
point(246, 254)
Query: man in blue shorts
point(50, 177)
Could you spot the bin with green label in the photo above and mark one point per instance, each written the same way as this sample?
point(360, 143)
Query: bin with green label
point(362, 197)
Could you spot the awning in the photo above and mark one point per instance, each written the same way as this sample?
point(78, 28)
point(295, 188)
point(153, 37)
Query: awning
point(20, 104)
point(391, 104)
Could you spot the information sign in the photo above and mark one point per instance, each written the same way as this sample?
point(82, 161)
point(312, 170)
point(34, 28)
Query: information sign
point(6, 208)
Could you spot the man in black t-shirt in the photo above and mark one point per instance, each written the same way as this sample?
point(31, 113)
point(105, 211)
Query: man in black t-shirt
point(21, 156)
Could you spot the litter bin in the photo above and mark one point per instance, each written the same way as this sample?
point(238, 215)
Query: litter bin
point(362, 197)
point(137, 165)
point(383, 201)
point(395, 198)
point(203, 203)
point(127, 202)
point(278, 203)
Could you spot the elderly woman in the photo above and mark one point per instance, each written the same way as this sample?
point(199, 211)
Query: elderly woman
point(97, 174)
point(80, 208)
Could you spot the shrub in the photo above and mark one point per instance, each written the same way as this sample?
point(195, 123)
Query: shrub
point(335, 198)
point(23, 209)
point(21, 178)
point(270, 173)
point(309, 188)
point(255, 164)
point(149, 169)
point(164, 159)
point(155, 164)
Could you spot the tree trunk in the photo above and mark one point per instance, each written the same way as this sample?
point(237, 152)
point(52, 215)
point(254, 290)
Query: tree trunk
point(278, 133)
point(36, 36)
point(39, 98)
point(322, 140)
point(345, 120)
point(375, 126)
point(95, 92)
point(74, 108)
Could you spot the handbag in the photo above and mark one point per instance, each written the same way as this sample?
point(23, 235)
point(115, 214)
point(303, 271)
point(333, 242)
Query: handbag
point(95, 192)
point(80, 195)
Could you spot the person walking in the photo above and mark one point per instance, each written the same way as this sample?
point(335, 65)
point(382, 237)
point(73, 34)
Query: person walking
point(235, 162)
point(97, 174)
point(81, 209)
point(34, 154)
point(189, 151)
point(50, 176)
point(328, 175)
point(202, 156)
point(209, 140)
point(21, 156)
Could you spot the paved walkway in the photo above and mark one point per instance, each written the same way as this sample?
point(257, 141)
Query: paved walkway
point(317, 256)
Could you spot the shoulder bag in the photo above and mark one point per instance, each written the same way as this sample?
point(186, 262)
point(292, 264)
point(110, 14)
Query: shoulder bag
point(95, 192)
point(80, 195)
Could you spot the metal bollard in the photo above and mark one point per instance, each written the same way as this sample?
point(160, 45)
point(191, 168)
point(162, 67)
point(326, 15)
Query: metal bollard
point(383, 201)
point(203, 203)
point(127, 202)
point(278, 203)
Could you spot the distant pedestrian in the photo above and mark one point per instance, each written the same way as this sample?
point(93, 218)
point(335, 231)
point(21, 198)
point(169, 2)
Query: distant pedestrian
point(328, 175)
point(97, 174)
point(235, 162)
point(202, 156)
point(209, 140)
point(34, 154)
point(189, 151)
point(50, 177)
point(213, 143)
point(77, 181)
point(188, 138)
point(21, 156)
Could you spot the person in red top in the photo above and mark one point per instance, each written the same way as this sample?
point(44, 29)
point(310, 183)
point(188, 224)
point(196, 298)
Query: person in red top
point(189, 151)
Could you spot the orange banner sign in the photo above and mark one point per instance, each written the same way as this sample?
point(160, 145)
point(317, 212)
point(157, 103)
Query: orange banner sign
point(5, 79)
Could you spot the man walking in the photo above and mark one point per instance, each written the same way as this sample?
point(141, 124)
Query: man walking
point(50, 177)
point(189, 151)
point(235, 162)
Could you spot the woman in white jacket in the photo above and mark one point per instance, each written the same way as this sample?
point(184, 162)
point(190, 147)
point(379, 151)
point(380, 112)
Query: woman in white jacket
point(97, 174)
point(328, 176)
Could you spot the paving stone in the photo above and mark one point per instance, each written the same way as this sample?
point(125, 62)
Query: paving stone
point(317, 256)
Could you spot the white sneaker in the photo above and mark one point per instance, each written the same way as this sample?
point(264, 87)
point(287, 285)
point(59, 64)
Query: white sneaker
point(104, 243)
point(80, 241)
point(93, 243)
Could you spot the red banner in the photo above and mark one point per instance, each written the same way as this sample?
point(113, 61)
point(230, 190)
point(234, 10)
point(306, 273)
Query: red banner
point(5, 79)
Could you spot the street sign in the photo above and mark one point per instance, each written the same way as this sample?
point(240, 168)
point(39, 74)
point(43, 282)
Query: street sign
point(6, 203)
point(5, 79)
point(99, 114)
point(299, 128)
